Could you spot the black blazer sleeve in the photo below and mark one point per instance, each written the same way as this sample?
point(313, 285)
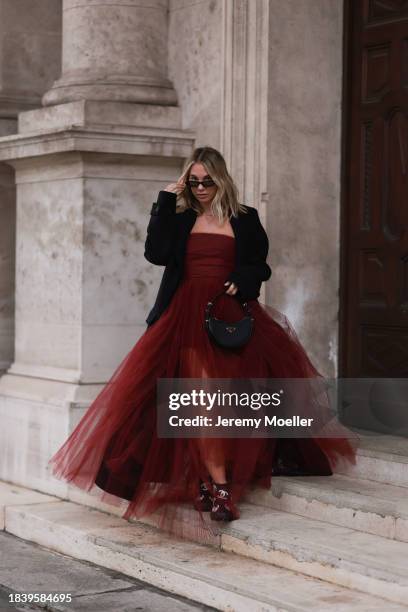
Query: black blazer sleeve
point(249, 276)
point(161, 230)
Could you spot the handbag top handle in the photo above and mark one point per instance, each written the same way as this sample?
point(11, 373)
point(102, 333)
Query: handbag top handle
point(210, 304)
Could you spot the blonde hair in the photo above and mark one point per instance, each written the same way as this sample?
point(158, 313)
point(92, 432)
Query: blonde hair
point(225, 202)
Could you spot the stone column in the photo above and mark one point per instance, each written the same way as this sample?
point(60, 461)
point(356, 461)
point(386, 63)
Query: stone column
point(30, 59)
point(30, 53)
point(7, 265)
point(304, 169)
point(88, 166)
point(113, 50)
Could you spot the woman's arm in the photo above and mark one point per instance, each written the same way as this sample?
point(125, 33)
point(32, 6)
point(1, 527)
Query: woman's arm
point(250, 276)
point(160, 240)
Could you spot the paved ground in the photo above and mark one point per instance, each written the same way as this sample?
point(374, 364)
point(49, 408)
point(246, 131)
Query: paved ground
point(29, 568)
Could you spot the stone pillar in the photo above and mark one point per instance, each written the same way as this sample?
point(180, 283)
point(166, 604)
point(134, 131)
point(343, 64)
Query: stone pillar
point(30, 53)
point(244, 133)
point(7, 265)
point(29, 62)
point(113, 50)
point(87, 172)
point(304, 163)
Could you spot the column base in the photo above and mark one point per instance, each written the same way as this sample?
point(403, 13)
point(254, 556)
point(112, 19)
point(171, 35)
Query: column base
point(37, 415)
point(13, 102)
point(141, 91)
point(90, 113)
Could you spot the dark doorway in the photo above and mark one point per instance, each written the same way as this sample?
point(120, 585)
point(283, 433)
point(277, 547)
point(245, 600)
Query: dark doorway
point(374, 243)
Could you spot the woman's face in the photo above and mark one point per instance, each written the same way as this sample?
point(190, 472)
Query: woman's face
point(204, 193)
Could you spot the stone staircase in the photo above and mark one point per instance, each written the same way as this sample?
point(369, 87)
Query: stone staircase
point(323, 543)
point(371, 496)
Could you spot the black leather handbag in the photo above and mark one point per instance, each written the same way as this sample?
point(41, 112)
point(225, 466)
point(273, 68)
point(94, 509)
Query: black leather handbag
point(229, 335)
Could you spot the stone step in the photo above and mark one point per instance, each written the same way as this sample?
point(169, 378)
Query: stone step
point(337, 554)
point(333, 553)
point(217, 578)
point(364, 505)
point(381, 458)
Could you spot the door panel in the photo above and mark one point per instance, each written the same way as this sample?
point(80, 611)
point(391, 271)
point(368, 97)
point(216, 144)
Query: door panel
point(374, 279)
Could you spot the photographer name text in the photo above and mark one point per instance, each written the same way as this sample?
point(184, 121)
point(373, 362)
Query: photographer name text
point(251, 422)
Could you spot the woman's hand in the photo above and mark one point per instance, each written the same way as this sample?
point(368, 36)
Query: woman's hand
point(181, 183)
point(232, 289)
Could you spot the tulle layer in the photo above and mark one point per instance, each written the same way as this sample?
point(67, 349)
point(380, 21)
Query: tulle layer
point(114, 451)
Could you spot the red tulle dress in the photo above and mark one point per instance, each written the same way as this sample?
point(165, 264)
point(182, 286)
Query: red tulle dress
point(114, 452)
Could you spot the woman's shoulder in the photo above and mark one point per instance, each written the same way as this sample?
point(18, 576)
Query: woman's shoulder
point(252, 219)
point(249, 211)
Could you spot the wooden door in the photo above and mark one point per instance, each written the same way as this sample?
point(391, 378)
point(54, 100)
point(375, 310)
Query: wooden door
point(374, 243)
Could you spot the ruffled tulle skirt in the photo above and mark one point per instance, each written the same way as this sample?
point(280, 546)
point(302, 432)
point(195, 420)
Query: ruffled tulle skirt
point(115, 453)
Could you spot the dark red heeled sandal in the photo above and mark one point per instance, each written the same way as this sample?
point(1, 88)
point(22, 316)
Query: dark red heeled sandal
point(204, 499)
point(223, 508)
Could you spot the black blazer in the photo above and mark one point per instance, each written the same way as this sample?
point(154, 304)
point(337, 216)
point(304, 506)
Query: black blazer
point(167, 235)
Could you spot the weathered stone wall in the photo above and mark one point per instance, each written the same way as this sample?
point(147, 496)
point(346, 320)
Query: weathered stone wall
point(304, 147)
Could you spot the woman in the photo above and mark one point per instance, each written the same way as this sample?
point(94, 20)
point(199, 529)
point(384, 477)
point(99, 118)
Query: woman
point(208, 242)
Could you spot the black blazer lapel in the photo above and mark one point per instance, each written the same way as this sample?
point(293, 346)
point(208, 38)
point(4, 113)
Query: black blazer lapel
point(187, 220)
